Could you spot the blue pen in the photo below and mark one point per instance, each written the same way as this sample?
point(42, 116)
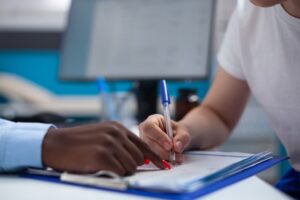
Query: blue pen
point(109, 112)
point(165, 100)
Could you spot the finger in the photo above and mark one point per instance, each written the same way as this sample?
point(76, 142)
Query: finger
point(157, 148)
point(180, 158)
point(155, 133)
point(107, 160)
point(181, 140)
point(113, 164)
point(126, 160)
point(130, 147)
point(148, 153)
point(164, 154)
point(134, 151)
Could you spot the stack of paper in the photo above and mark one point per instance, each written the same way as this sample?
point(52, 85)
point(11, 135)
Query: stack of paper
point(201, 168)
point(198, 170)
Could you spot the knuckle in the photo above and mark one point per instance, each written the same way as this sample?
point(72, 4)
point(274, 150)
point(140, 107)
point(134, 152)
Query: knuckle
point(147, 126)
point(102, 152)
point(116, 134)
point(113, 128)
point(141, 126)
point(150, 119)
point(117, 124)
point(108, 141)
point(114, 131)
point(154, 116)
point(186, 137)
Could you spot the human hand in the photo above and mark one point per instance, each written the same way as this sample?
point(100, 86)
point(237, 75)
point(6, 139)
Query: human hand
point(94, 147)
point(153, 132)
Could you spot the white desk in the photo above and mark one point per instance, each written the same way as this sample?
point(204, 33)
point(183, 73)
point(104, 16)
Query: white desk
point(14, 188)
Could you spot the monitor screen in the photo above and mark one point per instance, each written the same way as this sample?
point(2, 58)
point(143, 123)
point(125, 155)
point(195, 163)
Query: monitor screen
point(138, 39)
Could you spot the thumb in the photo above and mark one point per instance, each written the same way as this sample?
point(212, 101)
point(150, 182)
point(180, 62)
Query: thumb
point(181, 140)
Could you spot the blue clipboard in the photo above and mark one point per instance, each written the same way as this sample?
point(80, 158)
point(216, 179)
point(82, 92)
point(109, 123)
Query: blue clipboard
point(181, 196)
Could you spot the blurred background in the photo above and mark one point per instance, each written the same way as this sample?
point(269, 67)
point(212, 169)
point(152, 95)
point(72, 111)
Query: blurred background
point(32, 88)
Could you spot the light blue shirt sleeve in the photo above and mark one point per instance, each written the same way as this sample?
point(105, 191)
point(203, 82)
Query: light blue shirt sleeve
point(21, 145)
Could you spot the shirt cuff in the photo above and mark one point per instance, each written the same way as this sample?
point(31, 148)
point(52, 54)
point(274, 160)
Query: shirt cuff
point(24, 146)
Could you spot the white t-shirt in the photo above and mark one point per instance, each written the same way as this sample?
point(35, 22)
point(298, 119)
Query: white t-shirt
point(262, 46)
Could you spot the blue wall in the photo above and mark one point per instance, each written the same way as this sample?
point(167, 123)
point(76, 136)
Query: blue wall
point(42, 67)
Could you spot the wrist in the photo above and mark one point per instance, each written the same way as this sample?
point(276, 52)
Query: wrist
point(47, 146)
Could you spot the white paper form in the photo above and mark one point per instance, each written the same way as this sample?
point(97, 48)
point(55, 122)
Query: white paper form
point(200, 169)
point(196, 166)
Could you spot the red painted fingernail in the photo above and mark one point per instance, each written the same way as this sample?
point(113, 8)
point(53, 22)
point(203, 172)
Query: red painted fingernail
point(167, 165)
point(146, 161)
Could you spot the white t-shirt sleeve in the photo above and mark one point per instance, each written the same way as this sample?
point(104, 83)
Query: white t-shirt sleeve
point(229, 57)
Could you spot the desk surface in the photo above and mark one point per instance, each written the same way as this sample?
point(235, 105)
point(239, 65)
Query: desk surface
point(14, 188)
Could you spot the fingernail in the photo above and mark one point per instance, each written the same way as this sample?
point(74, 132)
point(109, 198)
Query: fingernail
point(178, 146)
point(167, 146)
point(167, 165)
point(146, 161)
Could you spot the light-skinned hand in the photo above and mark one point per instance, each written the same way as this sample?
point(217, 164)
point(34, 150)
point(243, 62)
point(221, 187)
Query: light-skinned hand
point(153, 132)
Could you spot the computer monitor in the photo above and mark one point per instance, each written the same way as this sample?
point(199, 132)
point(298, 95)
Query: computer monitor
point(143, 40)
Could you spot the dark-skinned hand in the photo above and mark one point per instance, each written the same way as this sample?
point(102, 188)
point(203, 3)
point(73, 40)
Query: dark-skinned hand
point(94, 147)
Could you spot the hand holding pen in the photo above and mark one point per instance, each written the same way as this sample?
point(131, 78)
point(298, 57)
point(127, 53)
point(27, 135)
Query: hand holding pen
point(165, 100)
point(154, 132)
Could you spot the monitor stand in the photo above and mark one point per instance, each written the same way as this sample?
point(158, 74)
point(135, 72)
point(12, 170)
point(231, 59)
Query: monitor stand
point(146, 95)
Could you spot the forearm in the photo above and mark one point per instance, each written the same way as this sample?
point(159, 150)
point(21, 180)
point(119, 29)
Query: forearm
point(210, 124)
point(206, 128)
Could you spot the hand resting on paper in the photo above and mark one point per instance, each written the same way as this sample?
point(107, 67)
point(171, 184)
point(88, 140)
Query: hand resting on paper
point(94, 147)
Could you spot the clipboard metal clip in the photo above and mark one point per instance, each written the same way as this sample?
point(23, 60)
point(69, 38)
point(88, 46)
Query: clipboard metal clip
point(103, 178)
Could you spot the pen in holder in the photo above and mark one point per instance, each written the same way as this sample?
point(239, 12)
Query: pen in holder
point(108, 110)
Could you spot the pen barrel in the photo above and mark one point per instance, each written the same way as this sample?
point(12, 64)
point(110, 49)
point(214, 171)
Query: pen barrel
point(169, 130)
point(168, 121)
point(108, 111)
